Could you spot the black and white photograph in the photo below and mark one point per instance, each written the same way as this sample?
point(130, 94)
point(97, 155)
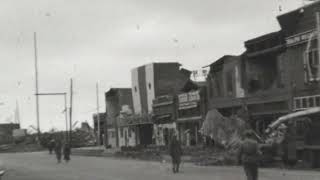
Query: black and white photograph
point(159, 89)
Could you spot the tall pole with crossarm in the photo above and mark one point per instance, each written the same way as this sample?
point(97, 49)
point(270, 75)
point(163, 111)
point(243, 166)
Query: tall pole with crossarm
point(36, 83)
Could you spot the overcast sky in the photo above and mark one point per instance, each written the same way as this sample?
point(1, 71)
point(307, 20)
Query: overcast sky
point(101, 40)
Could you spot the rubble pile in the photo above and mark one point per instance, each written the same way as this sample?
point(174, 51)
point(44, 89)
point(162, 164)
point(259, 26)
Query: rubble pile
point(225, 131)
point(82, 138)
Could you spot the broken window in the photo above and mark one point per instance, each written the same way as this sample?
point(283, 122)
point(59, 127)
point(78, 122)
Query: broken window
point(254, 84)
point(263, 73)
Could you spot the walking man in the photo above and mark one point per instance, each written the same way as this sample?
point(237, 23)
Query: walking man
point(51, 145)
point(58, 151)
point(66, 152)
point(175, 151)
point(249, 156)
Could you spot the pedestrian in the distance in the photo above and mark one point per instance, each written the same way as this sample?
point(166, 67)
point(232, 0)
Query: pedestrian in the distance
point(51, 146)
point(175, 151)
point(249, 155)
point(66, 152)
point(58, 150)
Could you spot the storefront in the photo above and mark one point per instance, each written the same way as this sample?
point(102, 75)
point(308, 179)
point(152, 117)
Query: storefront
point(189, 117)
point(164, 119)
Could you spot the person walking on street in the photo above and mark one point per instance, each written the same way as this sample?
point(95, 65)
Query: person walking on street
point(51, 146)
point(175, 151)
point(66, 152)
point(249, 155)
point(58, 151)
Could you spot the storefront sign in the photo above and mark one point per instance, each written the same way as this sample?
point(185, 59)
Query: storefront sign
point(188, 97)
point(188, 105)
point(299, 38)
point(183, 97)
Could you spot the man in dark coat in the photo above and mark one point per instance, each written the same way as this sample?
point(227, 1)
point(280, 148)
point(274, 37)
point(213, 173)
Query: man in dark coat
point(66, 152)
point(51, 145)
point(58, 150)
point(175, 151)
point(249, 156)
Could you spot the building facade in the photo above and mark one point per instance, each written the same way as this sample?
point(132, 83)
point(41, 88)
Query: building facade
point(154, 80)
point(191, 108)
point(225, 84)
point(103, 127)
point(164, 116)
point(118, 102)
point(154, 87)
point(278, 73)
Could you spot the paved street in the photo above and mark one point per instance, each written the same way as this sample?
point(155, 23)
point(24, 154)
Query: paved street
point(41, 166)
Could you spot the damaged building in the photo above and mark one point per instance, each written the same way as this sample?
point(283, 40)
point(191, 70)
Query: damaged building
point(160, 85)
point(150, 82)
point(225, 84)
point(266, 85)
point(191, 111)
point(278, 73)
point(118, 102)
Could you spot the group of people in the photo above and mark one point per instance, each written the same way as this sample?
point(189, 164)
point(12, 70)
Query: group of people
point(248, 155)
point(58, 148)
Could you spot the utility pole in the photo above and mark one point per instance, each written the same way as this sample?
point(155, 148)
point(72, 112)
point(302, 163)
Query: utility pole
point(66, 114)
point(70, 111)
point(98, 115)
point(318, 41)
point(36, 83)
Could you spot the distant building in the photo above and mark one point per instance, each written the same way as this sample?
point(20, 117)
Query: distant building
point(191, 111)
point(102, 119)
point(154, 80)
point(118, 101)
point(154, 87)
point(6, 132)
point(164, 118)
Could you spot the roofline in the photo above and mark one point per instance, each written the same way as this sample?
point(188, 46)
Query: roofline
point(262, 37)
point(117, 89)
point(220, 59)
point(175, 62)
point(304, 6)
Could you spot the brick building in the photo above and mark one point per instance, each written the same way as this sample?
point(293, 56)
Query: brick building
point(154, 87)
point(277, 74)
point(191, 110)
point(118, 102)
point(225, 82)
